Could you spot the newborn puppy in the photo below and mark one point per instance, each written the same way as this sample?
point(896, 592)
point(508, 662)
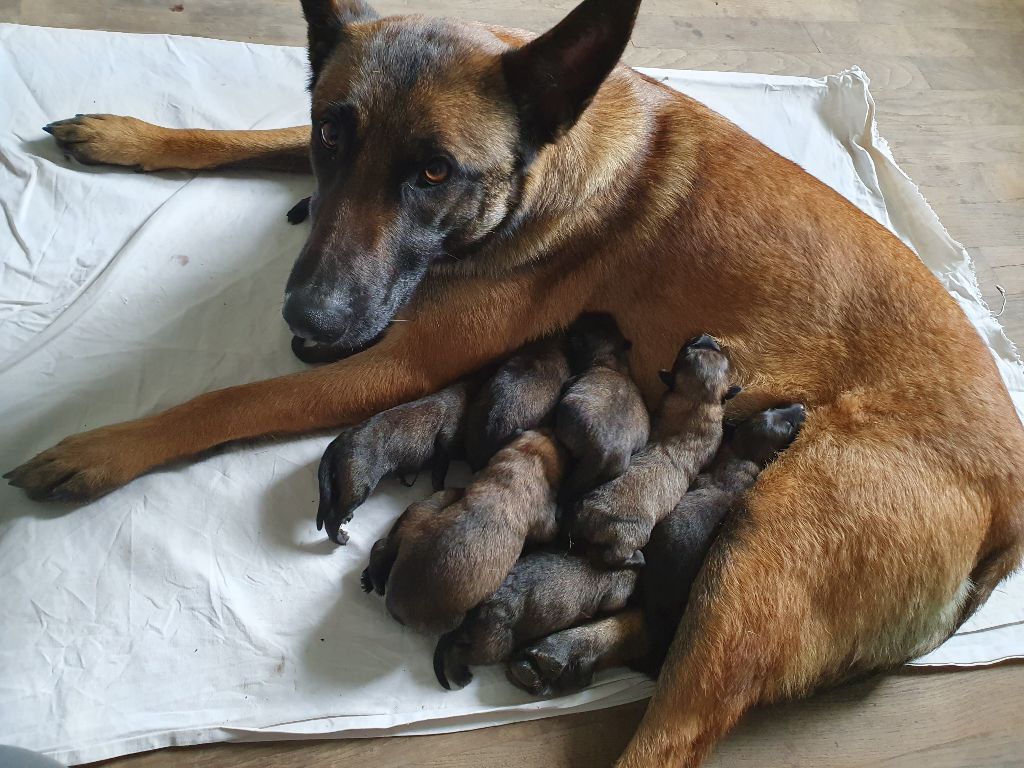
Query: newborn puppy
point(521, 395)
point(617, 518)
point(601, 419)
point(544, 592)
point(403, 439)
point(565, 661)
point(444, 556)
point(679, 543)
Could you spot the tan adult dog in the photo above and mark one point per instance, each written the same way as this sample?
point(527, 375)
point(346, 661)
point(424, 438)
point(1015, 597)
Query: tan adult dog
point(488, 192)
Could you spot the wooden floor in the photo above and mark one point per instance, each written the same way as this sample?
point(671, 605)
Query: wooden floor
point(947, 78)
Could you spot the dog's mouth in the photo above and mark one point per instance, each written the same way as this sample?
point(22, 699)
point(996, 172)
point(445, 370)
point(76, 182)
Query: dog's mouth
point(315, 351)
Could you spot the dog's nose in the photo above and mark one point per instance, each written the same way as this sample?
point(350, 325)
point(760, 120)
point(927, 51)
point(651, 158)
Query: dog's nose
point(704, 341)
point(310, 317)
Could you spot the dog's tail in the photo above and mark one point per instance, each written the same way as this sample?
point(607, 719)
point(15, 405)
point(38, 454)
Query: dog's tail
point(452, 673)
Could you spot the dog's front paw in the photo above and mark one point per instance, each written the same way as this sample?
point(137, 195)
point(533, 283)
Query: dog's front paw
point(109, 140)
point(86, 466)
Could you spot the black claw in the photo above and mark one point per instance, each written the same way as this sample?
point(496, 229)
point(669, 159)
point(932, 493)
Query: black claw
point(299, 212)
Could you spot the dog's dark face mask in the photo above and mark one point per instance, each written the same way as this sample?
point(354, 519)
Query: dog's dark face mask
point(422, 135)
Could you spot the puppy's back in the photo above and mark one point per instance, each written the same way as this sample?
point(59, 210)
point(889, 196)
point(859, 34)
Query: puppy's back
point(450, 562)
point(520, 396)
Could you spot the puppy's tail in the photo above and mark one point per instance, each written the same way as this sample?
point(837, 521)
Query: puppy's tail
point(452, 673)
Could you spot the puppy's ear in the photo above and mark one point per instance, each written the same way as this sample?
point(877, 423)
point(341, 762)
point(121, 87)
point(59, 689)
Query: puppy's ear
point(325, 22)
point(667, 378)
point(730, 393)
point(553, 78)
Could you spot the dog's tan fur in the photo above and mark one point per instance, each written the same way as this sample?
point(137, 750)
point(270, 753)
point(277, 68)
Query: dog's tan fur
point(888, 522)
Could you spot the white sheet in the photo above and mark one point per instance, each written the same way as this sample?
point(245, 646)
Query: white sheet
point(199, 603)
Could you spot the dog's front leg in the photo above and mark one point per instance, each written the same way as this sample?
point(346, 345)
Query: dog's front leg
point(117, 140)
point(93, 463)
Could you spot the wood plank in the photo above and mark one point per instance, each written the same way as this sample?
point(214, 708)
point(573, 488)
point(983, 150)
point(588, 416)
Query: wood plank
point(975, 14)
point(722, 34)
point(909, 719)
point(984, 224)
point(870, 38)
point(921, 142)
point(947, 73)
point(990, 106)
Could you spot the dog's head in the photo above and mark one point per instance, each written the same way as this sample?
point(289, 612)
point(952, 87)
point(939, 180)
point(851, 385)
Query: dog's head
point(765, 434)
point(595, 336)
point(701, 371)
point(423, 132)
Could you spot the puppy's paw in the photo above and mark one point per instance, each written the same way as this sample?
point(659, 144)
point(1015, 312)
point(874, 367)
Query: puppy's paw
point(339, 493)
point(554, 665)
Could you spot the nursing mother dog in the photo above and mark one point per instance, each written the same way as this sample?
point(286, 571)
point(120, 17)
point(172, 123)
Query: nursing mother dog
point(487, 188)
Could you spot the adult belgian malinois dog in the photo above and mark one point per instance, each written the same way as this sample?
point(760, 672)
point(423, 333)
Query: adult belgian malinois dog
point(487, 188)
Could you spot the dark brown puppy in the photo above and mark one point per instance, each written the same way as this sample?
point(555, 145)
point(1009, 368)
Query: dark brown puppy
point(521, 395)
point(544, 593)
point(404, 439)
point(679, 544)
point(444, 556)
point(567, 661)
point(617, 517)
point(601, 419)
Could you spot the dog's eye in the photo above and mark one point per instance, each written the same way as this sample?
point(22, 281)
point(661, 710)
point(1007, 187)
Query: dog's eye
point(329, 134)
point(436, 172)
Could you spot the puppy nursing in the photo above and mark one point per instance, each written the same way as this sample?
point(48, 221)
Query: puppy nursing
point(445, 556)
point(617, 518)
point(454, 564)
point(640, 636)
point(680, 543)
point(601, 419)
point(544, 593)
point(521, 395)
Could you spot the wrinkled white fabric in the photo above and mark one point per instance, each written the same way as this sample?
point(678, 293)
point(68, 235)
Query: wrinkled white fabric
point(199, 603)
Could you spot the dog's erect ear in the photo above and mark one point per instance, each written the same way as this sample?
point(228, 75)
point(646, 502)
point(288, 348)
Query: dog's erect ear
point(553, 78)
point(325, 20)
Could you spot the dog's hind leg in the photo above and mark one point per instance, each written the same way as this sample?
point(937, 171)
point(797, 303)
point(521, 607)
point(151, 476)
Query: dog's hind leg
point(127, 141)
point(829, 574)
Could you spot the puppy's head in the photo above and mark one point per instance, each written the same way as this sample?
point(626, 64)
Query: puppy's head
point(701, 371)
point(765, 434)
point(595, 336)
point(422, 137)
